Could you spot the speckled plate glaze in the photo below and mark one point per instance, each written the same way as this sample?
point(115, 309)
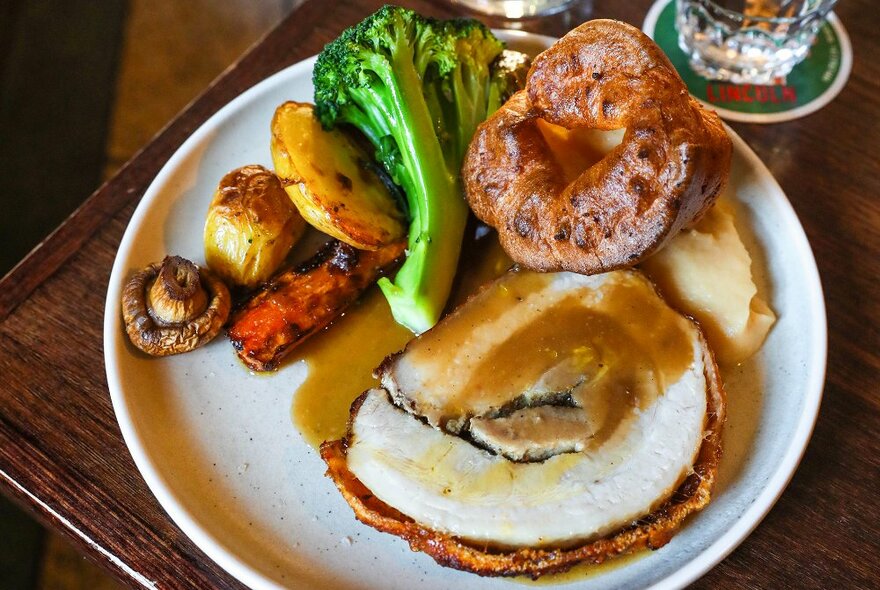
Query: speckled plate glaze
point(217, 447)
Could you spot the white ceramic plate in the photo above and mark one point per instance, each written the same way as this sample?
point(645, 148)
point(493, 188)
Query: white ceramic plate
point(217, 447)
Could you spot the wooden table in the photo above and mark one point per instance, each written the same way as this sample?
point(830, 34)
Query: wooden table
point(62, 455)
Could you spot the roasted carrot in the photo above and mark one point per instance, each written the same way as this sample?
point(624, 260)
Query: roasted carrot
point(299, 302)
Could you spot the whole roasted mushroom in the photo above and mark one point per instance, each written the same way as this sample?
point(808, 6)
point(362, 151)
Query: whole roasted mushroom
point(174, 306)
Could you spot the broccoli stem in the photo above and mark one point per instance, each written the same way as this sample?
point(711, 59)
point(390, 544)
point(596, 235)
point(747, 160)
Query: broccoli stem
point(417, 88)
point(418, 293)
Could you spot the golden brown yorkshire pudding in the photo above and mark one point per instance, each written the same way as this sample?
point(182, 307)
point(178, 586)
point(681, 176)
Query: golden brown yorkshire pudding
point(671, 165)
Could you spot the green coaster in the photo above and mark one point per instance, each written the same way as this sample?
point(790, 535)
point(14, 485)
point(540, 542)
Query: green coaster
point(812, 84)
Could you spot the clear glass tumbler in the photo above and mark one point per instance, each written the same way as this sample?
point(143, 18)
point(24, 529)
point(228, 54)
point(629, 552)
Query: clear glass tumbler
point(750, 41)
point(516, 8)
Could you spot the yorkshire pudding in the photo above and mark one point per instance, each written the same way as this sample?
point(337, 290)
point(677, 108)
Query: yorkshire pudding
point(671, 165)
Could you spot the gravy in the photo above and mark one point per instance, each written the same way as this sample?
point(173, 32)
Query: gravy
point(341, 359)
point(612, 350)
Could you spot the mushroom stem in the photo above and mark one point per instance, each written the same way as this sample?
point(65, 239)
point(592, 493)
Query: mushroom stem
point(177, 295)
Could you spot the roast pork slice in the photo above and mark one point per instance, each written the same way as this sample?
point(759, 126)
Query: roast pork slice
point(547, 411)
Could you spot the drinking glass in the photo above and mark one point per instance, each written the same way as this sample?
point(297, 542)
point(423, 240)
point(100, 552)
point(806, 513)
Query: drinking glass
point(750, 41)
point(516, 8)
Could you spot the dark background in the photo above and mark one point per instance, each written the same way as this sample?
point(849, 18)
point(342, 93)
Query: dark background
point(58, 61)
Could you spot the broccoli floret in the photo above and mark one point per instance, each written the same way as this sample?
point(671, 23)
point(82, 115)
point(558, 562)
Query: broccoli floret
point(509, 72)
point(417, 88)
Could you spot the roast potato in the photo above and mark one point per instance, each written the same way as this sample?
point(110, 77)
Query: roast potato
point(251, 226)
point(328, 177)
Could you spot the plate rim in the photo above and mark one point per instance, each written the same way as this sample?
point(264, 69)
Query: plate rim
point(250, 576)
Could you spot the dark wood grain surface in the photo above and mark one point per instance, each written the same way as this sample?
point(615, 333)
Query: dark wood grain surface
point(62, 455)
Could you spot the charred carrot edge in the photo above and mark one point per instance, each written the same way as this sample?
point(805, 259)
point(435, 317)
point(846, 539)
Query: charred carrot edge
point(300, 302)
